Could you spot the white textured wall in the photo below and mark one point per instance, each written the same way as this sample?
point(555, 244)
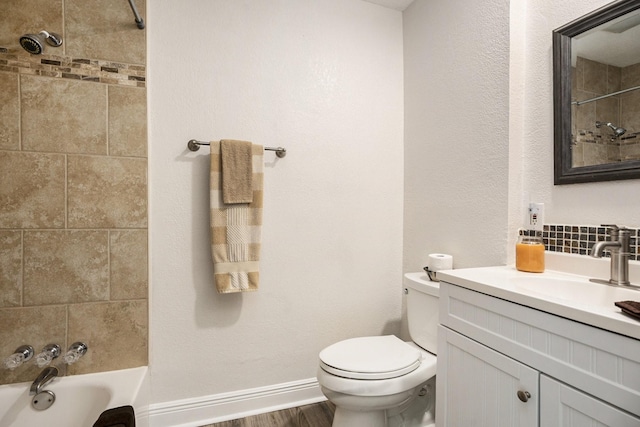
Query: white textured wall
point(324, 79)
point(590, 203)
point(479, 130)
point(456, 131)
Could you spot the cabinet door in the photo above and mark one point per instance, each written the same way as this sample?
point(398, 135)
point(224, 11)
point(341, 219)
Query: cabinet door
point(477, 386)
point(561, 405)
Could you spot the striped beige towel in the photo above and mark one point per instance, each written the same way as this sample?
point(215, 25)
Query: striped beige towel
point(235, 229)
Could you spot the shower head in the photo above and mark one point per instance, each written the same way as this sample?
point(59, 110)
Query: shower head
point(617, 131)
point(33, 43)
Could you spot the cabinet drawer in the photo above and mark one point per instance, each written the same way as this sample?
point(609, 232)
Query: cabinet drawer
point(601, 363)
point(561, 405)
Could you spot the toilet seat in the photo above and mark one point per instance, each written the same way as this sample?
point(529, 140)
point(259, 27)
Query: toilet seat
point(370, 358)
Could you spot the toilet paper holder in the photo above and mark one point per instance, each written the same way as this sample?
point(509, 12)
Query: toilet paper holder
point(431, 274)
point(437, 262)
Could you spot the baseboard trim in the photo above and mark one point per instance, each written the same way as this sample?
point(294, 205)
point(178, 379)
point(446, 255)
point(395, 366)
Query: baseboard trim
point(238, 404)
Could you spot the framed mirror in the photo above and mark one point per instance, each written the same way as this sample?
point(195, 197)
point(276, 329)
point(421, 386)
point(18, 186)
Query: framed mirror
point(596, 89)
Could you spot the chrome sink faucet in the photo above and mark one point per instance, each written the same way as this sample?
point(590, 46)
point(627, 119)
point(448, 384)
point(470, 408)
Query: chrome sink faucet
point(618, 246)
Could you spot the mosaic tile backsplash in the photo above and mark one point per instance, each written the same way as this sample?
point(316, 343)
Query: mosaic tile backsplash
point(579, 239)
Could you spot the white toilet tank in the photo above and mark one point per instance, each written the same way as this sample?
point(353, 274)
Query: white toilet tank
point(422, 310)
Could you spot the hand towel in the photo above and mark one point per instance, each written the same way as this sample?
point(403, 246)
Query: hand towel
point(631, 308)
point(237, 171)
point(236, 228)
point(123, 416)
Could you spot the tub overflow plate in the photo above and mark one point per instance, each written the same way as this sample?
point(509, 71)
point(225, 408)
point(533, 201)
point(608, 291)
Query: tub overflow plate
point(43, 400)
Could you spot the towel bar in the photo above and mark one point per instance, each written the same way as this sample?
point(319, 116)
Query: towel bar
point(194, 145)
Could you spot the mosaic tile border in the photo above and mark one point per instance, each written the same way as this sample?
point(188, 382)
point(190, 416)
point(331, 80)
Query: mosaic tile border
point(91, 70)
point(590, 136)
point(579, 239)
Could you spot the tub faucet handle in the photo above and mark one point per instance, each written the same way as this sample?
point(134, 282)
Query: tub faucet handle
point(19, 356)
point(75, 352)
point(48, 353)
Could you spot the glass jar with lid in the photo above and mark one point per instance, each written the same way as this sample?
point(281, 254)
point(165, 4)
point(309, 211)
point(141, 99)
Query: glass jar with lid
point(530, 251)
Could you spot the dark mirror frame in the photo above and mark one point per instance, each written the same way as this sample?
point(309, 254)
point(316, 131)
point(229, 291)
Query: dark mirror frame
point(564, 173)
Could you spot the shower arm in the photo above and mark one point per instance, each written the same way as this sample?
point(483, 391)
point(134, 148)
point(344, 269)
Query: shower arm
point(139, 20)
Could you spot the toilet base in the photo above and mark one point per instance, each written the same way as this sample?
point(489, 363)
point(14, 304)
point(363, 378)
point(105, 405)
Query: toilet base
point(347, 418)
point(415, 411)
point(420, 412)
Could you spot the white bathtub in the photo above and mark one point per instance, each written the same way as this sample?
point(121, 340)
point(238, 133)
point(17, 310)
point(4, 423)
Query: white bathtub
point(80, 399)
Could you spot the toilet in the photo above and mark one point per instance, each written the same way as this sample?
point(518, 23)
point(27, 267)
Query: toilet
point(382, 381)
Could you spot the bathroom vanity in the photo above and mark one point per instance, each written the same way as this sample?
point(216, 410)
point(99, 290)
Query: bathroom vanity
point(522, 349)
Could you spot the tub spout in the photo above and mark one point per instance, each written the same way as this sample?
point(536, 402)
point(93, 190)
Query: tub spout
point(46, 376)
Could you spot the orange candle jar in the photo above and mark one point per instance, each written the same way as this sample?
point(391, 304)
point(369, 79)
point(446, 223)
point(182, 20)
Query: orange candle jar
point(530, 254)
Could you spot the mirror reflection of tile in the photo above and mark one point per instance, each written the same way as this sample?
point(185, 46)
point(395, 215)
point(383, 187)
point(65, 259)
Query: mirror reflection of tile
point(606, 130)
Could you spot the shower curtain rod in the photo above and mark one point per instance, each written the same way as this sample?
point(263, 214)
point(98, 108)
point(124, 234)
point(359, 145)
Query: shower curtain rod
point(139, 20)
point(605, 96)
point(194, 145)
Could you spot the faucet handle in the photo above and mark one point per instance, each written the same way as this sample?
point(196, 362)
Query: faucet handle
point(76, 351)
point(616, 230)
point(614, 226)
point(48, 353)
point(19, 356)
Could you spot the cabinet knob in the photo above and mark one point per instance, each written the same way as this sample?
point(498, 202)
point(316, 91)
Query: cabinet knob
point(523, 395)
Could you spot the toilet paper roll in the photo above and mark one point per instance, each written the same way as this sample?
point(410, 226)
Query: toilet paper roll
point(437, 262)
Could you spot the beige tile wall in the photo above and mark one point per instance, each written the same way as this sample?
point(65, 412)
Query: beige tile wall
point(73, 199)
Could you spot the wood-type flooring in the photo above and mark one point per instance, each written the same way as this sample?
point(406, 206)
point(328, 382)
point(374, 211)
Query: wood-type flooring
point(317, 415)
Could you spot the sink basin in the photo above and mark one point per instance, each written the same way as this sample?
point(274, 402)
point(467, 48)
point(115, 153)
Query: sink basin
point(576, 291)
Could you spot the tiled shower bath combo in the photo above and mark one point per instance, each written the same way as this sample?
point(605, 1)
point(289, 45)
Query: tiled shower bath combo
point(73, 200)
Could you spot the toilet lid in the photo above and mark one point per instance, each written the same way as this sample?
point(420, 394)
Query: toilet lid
point(372, 358)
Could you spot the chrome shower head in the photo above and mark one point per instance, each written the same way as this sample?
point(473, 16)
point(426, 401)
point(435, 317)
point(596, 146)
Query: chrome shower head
point(617, 131)
point(33, 43)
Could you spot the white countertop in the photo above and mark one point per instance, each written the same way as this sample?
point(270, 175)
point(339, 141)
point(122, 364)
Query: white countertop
point(554, 292)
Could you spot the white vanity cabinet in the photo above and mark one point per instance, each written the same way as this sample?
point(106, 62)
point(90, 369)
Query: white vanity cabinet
point(506, 364)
